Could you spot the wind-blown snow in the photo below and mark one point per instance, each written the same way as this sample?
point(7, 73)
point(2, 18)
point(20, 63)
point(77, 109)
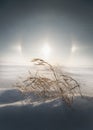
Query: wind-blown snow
point(11, 74)
point(51, 115)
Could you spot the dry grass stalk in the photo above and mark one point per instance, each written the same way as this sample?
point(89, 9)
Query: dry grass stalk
point(55, 84)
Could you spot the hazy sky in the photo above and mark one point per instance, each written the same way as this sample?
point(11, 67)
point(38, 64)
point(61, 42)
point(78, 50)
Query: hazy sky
point(60, 31)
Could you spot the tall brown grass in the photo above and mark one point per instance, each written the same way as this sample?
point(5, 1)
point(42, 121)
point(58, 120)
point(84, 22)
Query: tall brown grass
point(50, 83)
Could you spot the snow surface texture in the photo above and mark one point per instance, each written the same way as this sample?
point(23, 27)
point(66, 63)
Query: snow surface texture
point(54, 115)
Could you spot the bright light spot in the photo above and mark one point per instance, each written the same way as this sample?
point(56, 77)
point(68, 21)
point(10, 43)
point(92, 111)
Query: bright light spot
point(46, 49)
point(19, 48)
point(73, 49)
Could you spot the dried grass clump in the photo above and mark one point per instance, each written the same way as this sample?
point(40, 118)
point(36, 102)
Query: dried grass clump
point(50, 84)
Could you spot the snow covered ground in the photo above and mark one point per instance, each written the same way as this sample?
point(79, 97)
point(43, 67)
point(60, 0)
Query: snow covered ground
point(54, 115)
point(9, 75)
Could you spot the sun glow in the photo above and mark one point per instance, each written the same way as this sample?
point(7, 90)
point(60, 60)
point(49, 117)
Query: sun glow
point(73, 49)
point(46, 50)
point(19, 48)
